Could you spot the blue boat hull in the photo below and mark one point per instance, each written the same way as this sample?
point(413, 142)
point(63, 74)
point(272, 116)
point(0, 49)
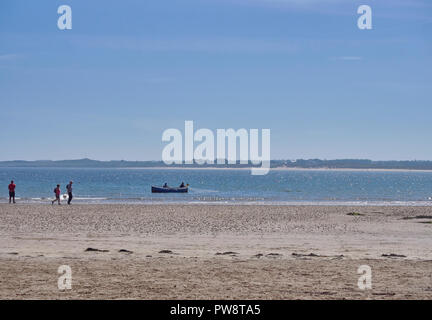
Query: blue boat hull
point(169, 190)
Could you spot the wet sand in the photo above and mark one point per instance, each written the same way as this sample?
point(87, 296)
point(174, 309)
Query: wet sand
point(215, 251)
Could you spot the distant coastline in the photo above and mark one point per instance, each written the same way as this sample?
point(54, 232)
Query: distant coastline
point(185, 167)
point(281, 169)
point(300, 164)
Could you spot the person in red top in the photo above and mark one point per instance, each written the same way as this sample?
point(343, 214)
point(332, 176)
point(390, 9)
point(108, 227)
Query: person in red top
point(57, 194)
point(12, 192)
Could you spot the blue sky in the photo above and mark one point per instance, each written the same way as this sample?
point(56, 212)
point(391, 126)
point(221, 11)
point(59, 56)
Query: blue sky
point(128, 70)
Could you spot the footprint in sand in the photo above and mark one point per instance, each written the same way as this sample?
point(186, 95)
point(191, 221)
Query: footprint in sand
point(273, 255)
point(226, 253)
point(393, 255)
point(95, 250)
point(125, 251)
point(166, 251)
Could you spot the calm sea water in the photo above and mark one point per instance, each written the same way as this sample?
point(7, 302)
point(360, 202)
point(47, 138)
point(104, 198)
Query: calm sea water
point(222, 186)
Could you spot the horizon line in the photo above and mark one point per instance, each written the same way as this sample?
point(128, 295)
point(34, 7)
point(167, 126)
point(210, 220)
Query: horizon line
point(281, 159)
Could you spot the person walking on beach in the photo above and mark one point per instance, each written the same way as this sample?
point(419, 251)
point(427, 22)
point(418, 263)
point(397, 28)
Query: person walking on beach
point(69, 191)
point(57, 194)
point(12, 187)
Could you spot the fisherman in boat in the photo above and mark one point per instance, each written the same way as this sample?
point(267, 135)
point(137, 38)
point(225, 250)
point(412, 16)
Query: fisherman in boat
point(165, 188)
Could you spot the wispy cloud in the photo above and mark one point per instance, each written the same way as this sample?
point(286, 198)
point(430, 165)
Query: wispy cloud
point(8, 56)
point(321, 6)
point(314, 3)
point(396, 9)
point(293, 3)
point(199, 44)
point(349, 58)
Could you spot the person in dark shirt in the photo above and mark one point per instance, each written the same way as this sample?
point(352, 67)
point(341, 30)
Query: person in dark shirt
point(12, 187)
point(69, 191)
point(182, 185)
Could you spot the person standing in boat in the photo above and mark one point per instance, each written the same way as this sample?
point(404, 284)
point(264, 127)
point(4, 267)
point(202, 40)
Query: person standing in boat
point(182, 185)
point(165, 185)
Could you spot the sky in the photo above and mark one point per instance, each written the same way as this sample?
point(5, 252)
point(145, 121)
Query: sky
point(128, 70)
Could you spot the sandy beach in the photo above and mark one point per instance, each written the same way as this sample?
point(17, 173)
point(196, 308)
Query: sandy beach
point(215, 251)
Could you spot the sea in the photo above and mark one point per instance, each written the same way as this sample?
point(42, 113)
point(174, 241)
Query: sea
point(222, 186)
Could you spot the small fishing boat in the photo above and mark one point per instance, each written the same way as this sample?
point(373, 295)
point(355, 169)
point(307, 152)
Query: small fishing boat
point(169, 189)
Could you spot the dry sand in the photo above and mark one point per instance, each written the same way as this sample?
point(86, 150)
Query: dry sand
point(215, 251)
